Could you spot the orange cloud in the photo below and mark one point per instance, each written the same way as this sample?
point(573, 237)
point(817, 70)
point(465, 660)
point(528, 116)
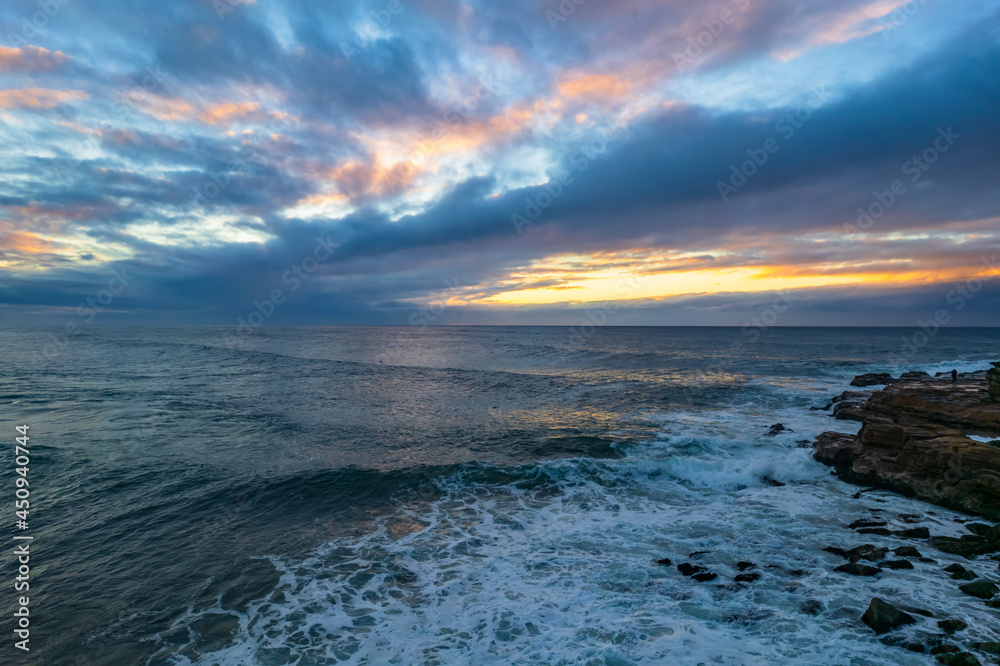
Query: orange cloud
point(25, 242)
point(592, 85)
point(161, 108)
point(356, 179)
point(844, 27)
point(220, 113)
point(38, 98)
point(33, 58)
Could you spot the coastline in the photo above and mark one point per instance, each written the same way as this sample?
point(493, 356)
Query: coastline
point(935, 439)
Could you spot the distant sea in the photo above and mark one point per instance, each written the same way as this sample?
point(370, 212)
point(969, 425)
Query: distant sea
point(453, 495)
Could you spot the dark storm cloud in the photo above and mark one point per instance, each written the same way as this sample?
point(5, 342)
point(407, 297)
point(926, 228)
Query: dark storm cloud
point(655, 184)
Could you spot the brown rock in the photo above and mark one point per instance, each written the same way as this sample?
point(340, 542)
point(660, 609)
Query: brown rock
point(913, 441)
point(872, 379)
point(993, 383)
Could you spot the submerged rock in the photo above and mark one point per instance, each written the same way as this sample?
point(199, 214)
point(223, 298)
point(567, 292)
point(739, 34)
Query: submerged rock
point(867, 522)
point(883, 617)
point(958, 572)
point(958, 659)
point(665, 561)
point(743, 566)
point(967, 545)
point(777, 429)
point(705, 577)
point(812, 607)
point(896, 564)
point(747, 577)
point(914, 533)
point(951, 626)
point(688, 569)
point(992, 647)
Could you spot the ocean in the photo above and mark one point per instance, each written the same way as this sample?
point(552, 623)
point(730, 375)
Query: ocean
point(456, 495)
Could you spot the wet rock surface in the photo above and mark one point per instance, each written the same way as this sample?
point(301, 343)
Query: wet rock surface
point(915, 441)
point(883, 617)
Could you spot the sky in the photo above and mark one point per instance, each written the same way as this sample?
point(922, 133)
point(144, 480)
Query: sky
point(518, 162)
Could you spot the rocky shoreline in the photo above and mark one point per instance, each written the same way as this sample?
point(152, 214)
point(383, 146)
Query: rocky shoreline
point(936, 439)
point(932, 438)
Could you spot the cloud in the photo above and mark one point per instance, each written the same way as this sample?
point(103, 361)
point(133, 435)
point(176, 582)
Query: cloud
point(30, 59)
point(407, 153)
point(38, 98)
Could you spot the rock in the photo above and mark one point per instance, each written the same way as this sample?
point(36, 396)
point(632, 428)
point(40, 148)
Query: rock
point(665, 561)
point(883, 617)
point(866, 552)
point(812, 607)
point(743, 566)
point(896, 564)
point(872, 379)
point(958, 659)
point(704, 577)
point(866, 522)
point(918, 375)
point(915, 533)
point(967, 545)
point(958, 572)
point(993, 383)
point(951, 626)
point(772, 482)
point(979, 529)
point(992, 647)
point(688, 569)
point(747, 577)
point(945, 648)
point(913, 441)
point(981, 589)
point(907, 551)
point(878, 531)
point(777, 429)
point(856, 569)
